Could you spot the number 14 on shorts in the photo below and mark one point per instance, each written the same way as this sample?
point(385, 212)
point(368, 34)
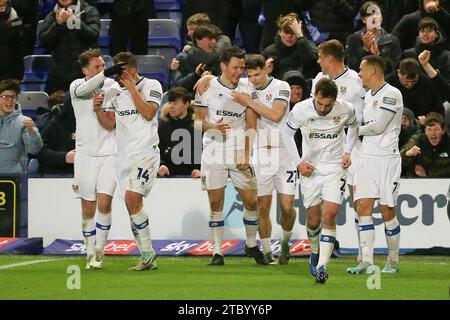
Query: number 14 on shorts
point(143, 174)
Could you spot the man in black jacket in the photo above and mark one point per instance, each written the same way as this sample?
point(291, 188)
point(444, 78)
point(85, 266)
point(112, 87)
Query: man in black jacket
point(11, 52)
point(291, 50)
point(57, 156)
point(418, 92)
point(176, 137)
point(69, 29)
point(406, 28)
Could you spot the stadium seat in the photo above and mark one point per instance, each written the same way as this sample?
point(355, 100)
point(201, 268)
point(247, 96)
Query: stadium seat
point(154, 67)
point(37, 68)
point(104, 37)
point(167, 53)
point(38, 49)
point(164, 33)
point(30, 101)
point(167, 5)
point(174, 15)
point(33, 167)
point(108, 60)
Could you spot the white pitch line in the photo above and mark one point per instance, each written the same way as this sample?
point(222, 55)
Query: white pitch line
point(20, 264)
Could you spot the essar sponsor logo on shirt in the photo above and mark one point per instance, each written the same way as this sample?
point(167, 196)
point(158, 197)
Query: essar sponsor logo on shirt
point(226, 113)
point(321, 135)
point(128, 112)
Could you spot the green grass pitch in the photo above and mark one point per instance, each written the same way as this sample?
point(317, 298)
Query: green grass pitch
point(180, 278)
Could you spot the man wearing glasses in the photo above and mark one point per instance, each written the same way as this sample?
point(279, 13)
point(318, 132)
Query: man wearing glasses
point(18, 134)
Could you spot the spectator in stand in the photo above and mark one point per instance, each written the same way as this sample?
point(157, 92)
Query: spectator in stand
point(198, 59)
point(225, 14)
point(271, 11)
point(11, 50)
point(129, 23)
point(441, 84)
point(28, 12)
point(410, 127)
point(372, 39)
point(430, 39)
point(58, 134)
point(428, 154)
point(176, 136)
point(332, 18)
point(419, 94)
point(248, 26)
point(406, 28)
point(299, 92)
point(394, 10)
point(18, 135)
point(291, 50)
point(68, 30)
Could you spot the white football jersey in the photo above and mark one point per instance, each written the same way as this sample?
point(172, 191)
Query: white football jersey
point(90, 137)
point(350, 89)
point(134, 134)
point(323, 136)
point(385, 144)
point(268, 132)
point(217, 99)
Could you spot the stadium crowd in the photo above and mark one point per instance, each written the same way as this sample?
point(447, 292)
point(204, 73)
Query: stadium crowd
point(286, 34)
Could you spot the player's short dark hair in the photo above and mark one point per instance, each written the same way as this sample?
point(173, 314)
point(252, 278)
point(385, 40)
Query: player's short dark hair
point(178, 93)
point(409, 67)
point(204, 31)
point(333, 48)
point(254, 61)
point(434, 118)
point(375, 61)
point(127, 57)
point(327, 88)
point(10, 84)
point(86, 56)
point(231, 52)
point(428, 23)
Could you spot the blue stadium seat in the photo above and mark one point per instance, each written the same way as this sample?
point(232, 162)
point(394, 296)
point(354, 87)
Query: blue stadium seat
point(32, 86)
point(167, 53)
point(38, 49)
point(154, 67)
point(174, 15)
point(37, 68)
point(104, 37)
point(30, 101)
point(108, 60)
point(167, 5)
point(33, 167)
point(164, 33)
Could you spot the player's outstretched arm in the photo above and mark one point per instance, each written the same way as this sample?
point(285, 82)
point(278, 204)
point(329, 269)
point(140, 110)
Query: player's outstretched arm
point(352, 135)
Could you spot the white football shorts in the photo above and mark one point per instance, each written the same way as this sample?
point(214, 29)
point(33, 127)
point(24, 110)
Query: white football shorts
point(93, 175)
point(378, 179)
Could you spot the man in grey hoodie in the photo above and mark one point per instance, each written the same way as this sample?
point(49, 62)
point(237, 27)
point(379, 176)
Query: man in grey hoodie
point(18, 135)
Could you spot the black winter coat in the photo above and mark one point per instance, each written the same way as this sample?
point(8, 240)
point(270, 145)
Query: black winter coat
point(302, 57)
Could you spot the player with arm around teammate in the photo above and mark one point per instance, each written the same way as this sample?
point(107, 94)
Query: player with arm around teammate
point(274, 170)
point(227, 144)
point(95, 150)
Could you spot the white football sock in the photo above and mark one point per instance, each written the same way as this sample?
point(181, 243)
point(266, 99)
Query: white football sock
point(366, 238)
point(88, 228)
point(392, 232)
point(285, 235)
point(251, 223)
point(103, 225)
point(141, 223)
point(357, 234)
point(327, 240)
point(266, 247)
point(216, 225)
